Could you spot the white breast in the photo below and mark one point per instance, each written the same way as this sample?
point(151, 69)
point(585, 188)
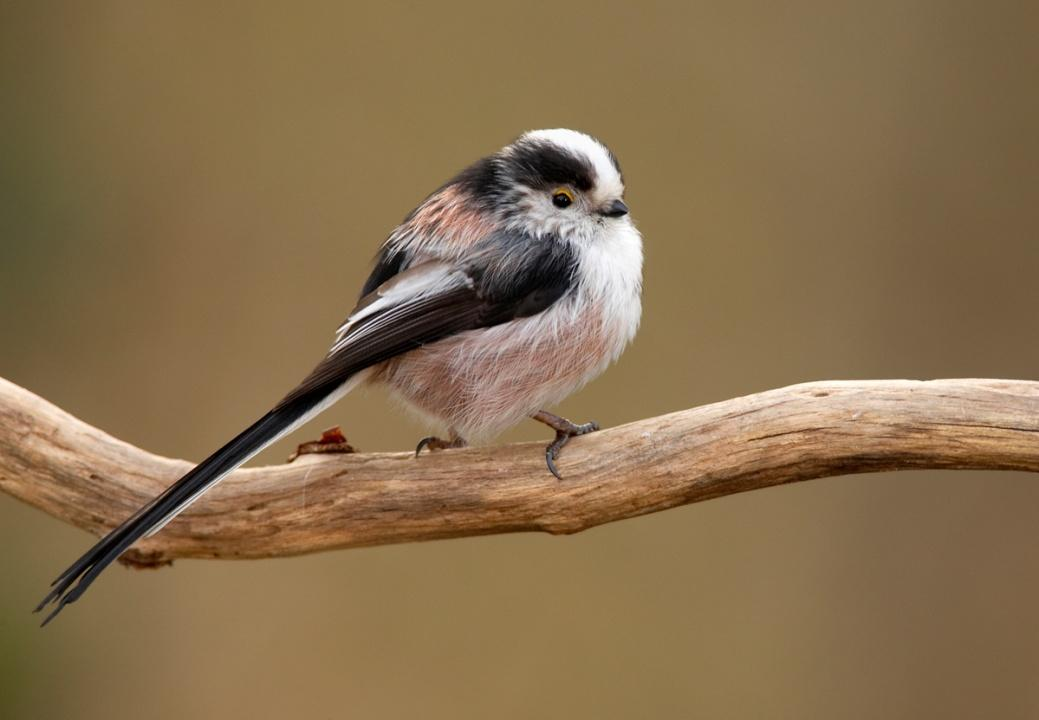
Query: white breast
point(480, 382)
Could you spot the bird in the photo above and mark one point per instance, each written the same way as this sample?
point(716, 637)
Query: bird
point(505, 290)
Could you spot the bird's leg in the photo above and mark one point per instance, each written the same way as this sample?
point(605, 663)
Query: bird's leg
point(332, 441)
point(434, 443)
point(564, 431)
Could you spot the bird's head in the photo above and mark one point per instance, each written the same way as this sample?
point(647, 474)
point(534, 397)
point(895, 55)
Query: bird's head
point(558, 181)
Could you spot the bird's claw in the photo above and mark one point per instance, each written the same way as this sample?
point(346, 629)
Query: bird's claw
point(564, 431)
point(552, 452)
point(434, 443)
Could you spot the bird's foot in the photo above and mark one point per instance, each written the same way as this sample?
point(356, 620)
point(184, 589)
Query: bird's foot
point(332, 441)
point(564, 431)
point(434, 443)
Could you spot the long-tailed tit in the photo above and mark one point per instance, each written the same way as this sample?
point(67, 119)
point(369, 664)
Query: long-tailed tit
point(507, 289)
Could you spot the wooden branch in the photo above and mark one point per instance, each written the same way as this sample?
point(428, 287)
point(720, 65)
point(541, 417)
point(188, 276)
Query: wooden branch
point(83, 476)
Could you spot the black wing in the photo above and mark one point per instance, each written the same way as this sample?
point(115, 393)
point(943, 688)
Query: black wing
point(509, 276)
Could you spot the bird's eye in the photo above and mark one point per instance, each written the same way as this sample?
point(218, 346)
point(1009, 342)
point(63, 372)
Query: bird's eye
point(562, 198)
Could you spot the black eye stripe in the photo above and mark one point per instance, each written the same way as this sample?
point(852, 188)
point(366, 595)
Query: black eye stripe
point(535, 163)
point(540, 163)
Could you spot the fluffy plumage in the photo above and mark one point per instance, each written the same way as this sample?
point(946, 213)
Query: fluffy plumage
point(489, 302)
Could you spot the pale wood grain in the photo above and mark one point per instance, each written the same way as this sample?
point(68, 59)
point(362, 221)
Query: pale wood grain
point(81, 475)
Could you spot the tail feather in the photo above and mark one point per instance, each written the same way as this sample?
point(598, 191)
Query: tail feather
point(72, 583)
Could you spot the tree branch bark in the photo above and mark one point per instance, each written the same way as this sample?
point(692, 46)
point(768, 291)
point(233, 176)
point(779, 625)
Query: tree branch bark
point(79, 474)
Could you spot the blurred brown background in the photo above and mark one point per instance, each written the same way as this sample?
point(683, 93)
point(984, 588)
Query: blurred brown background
point(190, 194)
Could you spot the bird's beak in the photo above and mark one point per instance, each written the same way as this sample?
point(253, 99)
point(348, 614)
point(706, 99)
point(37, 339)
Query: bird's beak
point(615, 209)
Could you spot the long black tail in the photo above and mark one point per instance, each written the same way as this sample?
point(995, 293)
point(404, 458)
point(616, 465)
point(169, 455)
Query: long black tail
point(178, 496)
